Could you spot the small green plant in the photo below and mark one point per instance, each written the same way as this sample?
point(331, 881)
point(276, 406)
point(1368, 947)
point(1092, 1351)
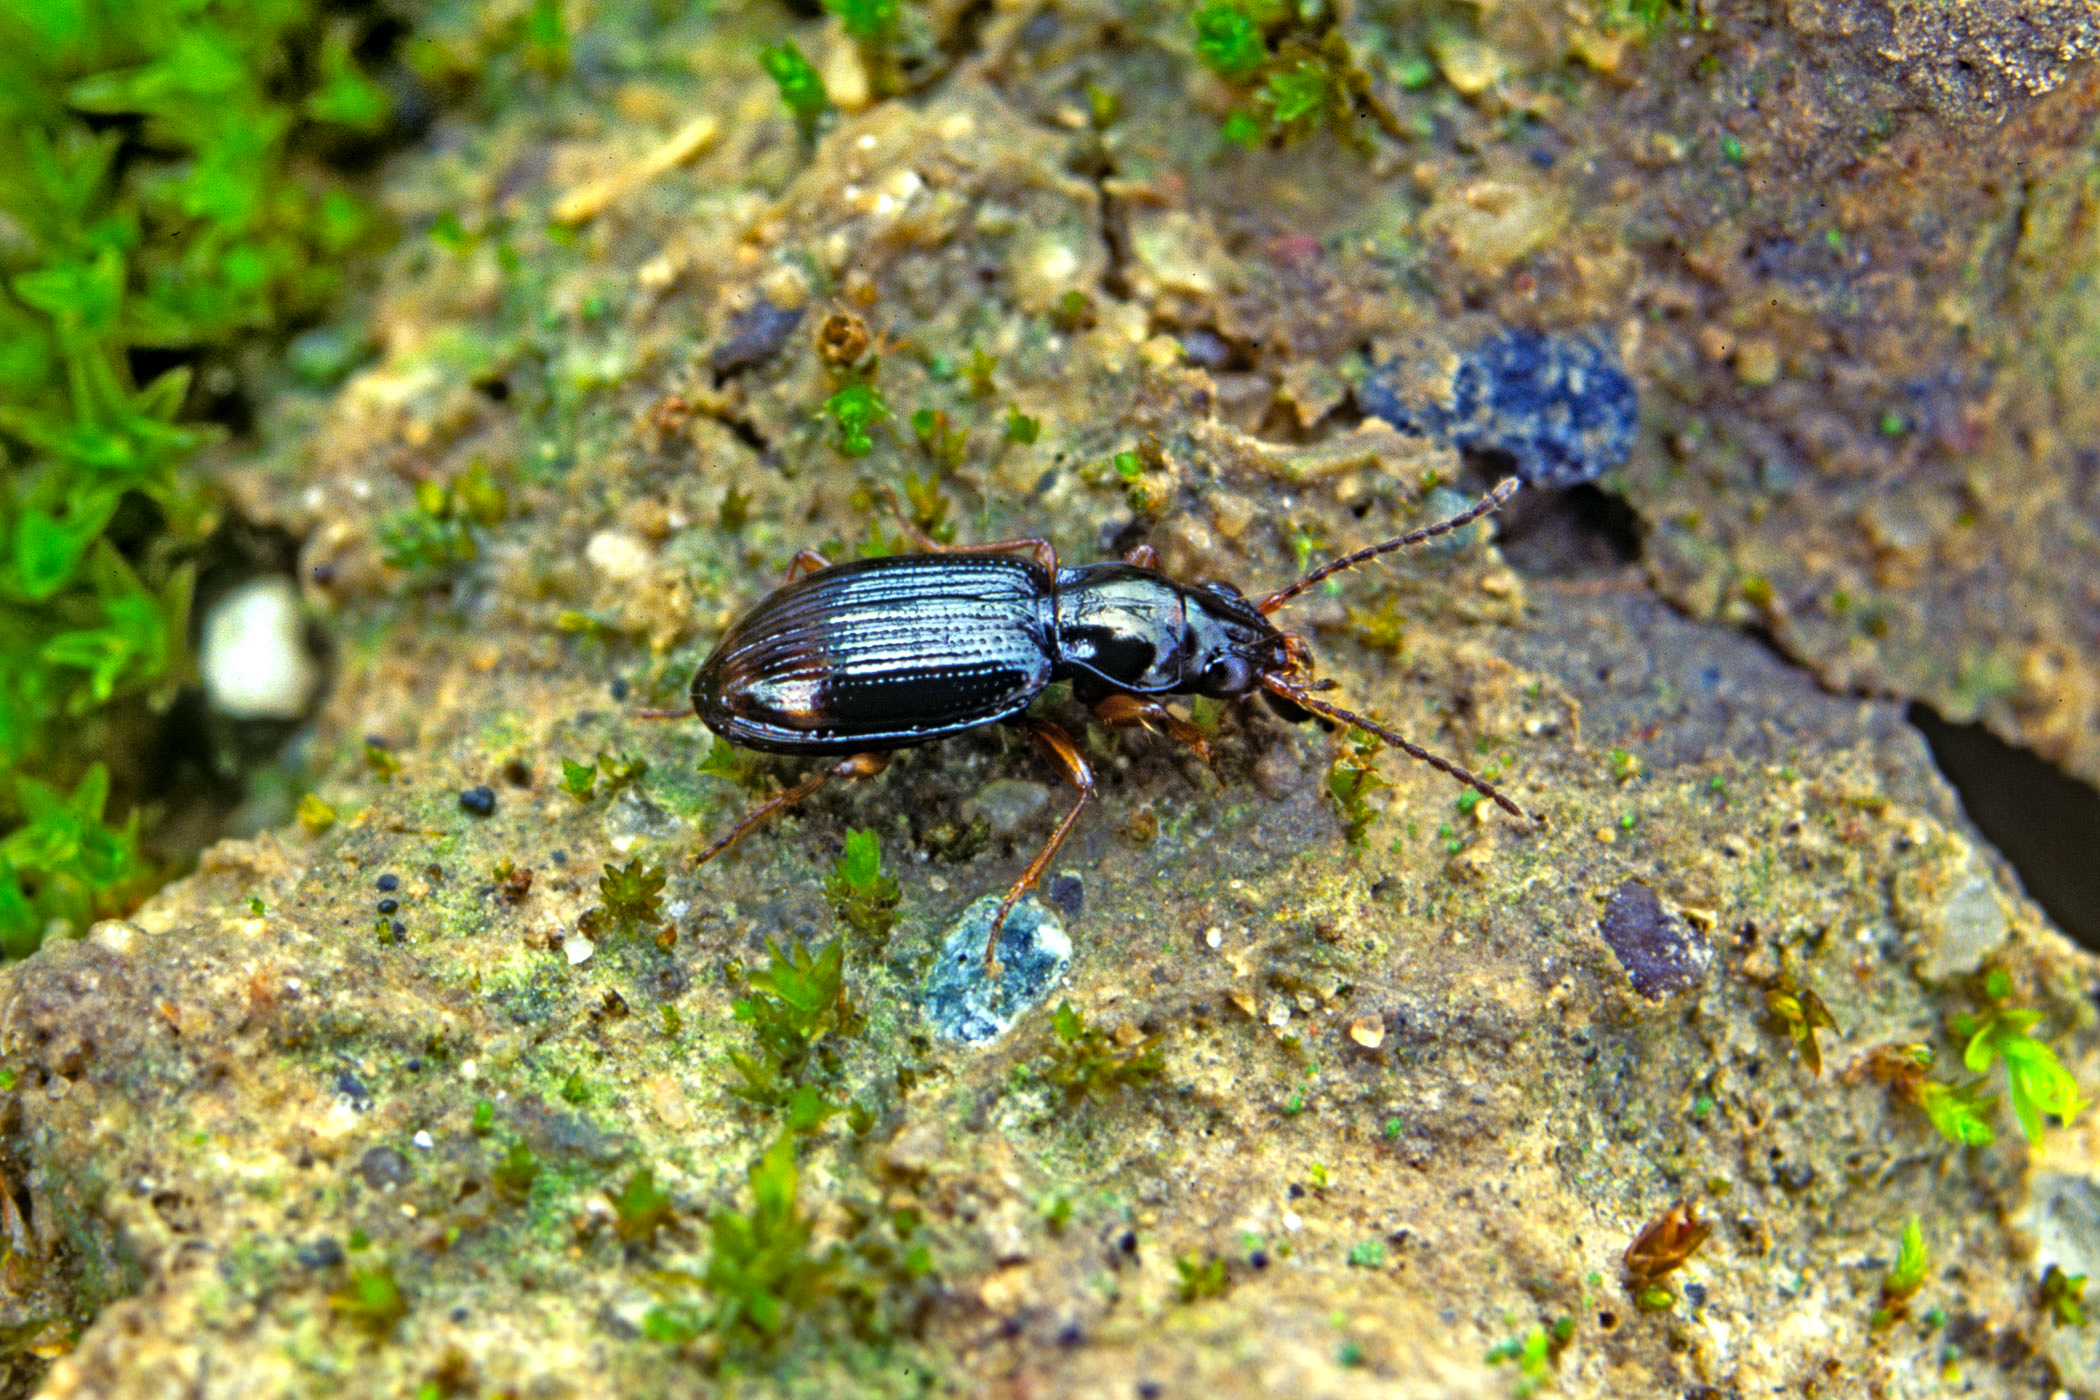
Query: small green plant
point(1367, 1254)
point(927, 505)
point(2062, 1296)
point(1961, 1112)
point(1800, 1013)
point(443, 526)
point(1532, 1354)
point(945, 443)
point(801, 89)
point(1202, 1276)
point(1020, 428)
point(795, 1001)
point(1351, 780)
point(854, 410)
point(65, 861)
point(633, 894)
point(371, 1298)
point(1085, 1061)
point(580, 780)
point(2035, 1080)
point(641, 1208)
point(517, 1170)
point(1905, 1277)
point(865, 897)
point(1295, 67)
point(763, 1271)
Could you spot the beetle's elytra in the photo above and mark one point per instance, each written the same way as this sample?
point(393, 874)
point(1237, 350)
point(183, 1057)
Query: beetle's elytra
point(861, 658)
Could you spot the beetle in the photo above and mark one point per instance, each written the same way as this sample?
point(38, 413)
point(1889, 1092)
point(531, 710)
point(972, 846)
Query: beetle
point(862, 658)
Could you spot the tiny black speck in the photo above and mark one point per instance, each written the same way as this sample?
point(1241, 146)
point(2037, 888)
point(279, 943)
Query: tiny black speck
point(389, 883)
point(413, 1066)
point(1259, 1259)
point(323, 1253)
point(478, 801)
point(559, 857)
point(618, 687)
point(398, 928)
point(388, 906)
point(1150, 1390)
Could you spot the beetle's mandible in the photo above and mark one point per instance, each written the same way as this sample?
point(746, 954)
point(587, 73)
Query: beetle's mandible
point(861, 658)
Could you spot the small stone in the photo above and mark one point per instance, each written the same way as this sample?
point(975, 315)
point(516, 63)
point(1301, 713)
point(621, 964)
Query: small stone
point(1007, 803)
point(577, 949)
point(619, 556)
point(383, 1168)
point(389, 906)
point(478, 801)
point(1661, 954)
point(962, 1003)
point(1367, 1031)
point(389, 883)
point(253, 657)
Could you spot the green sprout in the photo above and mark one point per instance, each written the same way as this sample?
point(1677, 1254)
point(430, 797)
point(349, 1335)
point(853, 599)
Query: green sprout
point(1800, 1013)
point(516, 1172)
point(865, 897)
point(632, 894)
point(372, 1299)
point(1229, 41)
point(1351, 781)
point(1367, 1254)
point(641, 1208)
point(1532, 1354)
point(796, 1000)
point(1085, 1060)
point(2063, 1297)
point(1202, 1276)
point(855, 409)
point(1020, 428)
point(946, 445)
point(764, 1270)
point(2035, 1080)
point(1960, 1112)
point(443, 525)
point(1905, 1277)
point(580, 780)
point(801, 89)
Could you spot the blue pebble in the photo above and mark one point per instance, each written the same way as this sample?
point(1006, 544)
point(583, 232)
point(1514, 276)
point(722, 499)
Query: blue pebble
point(478, 801)
point(1558, 406)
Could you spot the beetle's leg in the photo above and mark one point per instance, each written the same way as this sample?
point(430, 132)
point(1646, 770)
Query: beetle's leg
point(1118, 711)
point(806, 561)
point(1044, 551)
point(1057, 746)
point(1144, 556)
point(861, 765)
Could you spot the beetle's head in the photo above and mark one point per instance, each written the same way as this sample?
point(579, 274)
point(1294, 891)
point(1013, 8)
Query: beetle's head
point(1231, 645)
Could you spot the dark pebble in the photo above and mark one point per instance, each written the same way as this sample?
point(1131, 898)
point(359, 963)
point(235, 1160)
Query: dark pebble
point(382, 1167)
point(389, 883)
point(755, 336)
point(388, 906)
point(323, 1253)
point(478, 801)
point(353, 1089)
point(618, 687)
point(398, 929)
point(1558, 407)
point(1662, 955)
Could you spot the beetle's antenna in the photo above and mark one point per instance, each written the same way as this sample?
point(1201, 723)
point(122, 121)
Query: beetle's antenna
point(1504, 489)
point(1298, 696)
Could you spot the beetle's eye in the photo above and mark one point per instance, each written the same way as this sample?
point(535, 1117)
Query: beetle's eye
point(1229, 675)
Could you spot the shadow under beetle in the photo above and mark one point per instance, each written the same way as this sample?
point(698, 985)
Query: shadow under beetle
point(880, 654)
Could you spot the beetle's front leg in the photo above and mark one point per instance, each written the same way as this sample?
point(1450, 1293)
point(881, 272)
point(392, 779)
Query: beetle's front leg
point(1121, 711)
point(861, 765)
point(1057, 746)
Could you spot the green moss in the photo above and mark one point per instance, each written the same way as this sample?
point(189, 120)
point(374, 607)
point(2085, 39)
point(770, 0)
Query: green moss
point(801, 89)
point(153, 204)
point(1086, 1062)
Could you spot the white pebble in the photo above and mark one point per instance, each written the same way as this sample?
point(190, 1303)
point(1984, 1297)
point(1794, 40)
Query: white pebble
point(254, 657)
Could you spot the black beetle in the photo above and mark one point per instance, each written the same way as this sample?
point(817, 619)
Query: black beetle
point(880, 654)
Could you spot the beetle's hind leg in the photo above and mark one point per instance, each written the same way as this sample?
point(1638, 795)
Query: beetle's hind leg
point(1057, 746)
point(861, 765)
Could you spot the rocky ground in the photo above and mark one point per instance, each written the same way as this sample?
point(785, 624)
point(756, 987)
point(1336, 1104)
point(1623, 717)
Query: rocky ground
point(465, 1081)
